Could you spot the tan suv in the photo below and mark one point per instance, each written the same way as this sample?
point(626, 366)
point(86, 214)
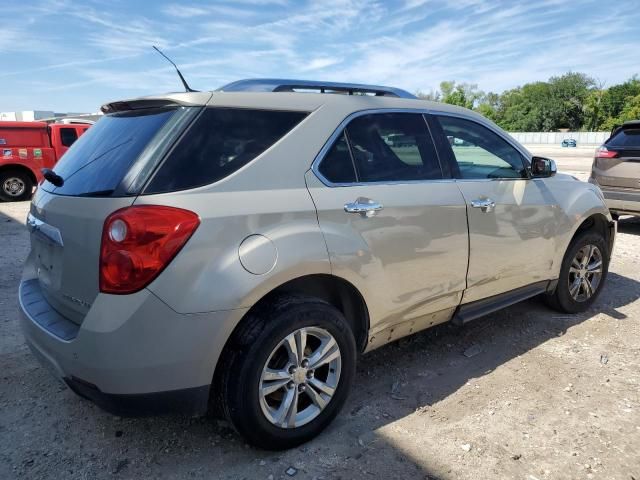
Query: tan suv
point(241, 248)
point(616, 169)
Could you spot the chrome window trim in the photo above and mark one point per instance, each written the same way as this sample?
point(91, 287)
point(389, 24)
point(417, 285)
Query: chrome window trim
point(422, 111)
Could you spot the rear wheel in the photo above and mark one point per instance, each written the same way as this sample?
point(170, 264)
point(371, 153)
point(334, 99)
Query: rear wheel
point(582, 275)
point(287, 372)
point(15, 185)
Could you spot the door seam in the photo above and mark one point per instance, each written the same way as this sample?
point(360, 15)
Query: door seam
point(466, 211)
point(324, 239)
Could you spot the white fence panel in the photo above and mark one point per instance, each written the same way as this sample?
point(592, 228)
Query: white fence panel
point(555, 138)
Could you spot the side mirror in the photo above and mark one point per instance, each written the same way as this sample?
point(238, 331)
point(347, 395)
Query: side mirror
point(542, 167)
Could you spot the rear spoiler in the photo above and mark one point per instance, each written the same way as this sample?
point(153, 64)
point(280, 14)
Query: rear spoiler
point(136, 105)
point(170, 100)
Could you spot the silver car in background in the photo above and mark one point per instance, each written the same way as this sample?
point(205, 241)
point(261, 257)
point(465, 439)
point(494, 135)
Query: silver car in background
point(239, 249)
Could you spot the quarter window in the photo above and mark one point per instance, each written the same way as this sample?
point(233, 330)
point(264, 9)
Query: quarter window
point(479, 152)
point(221, 141)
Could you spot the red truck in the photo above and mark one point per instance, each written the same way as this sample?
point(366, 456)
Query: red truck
point(26, 148)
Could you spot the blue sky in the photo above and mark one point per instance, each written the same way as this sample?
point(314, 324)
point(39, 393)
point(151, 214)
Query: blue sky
point(74, 56)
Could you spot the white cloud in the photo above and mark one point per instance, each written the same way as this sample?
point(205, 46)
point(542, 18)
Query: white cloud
point(320, 63)
point(413, 44)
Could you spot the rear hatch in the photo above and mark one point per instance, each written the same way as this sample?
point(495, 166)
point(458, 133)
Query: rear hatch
point(103, 171)
point(622, 167)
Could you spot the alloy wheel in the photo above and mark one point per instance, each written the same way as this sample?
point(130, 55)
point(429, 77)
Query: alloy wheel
point(585, 273)
point(300, 377)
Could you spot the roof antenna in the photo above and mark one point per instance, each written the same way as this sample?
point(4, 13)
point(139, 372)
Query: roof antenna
point(187, 88)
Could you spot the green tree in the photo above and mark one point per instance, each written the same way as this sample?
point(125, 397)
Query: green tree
point(573, 100)
point(593, 114)
point(530, 108)
point(630, 111)
point(569, 92)
point(490, 106)
point(462, 94)
point(615, 98)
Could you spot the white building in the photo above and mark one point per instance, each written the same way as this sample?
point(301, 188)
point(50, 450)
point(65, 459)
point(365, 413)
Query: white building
point(35, 115)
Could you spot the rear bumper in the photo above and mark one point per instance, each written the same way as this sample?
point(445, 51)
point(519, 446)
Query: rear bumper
point(622, 201)
point(189, 400)
point(132, 354)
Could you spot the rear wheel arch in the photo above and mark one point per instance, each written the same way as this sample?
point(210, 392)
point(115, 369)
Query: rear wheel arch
point(332, 289)
point(335, 291)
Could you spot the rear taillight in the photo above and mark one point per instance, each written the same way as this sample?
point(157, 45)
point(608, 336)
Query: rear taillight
point(604, 152)
point(139, 242)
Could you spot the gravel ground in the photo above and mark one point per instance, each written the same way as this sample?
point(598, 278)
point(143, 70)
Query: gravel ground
point(525, 393)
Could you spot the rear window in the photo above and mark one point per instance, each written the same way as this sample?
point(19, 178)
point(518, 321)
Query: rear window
point(98, 161)
point(221, 141)
point(626, 138)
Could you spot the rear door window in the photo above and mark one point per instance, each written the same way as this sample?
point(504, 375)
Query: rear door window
point(389, 147)
point(221, 141)
point(626, 138)
point(98, 161)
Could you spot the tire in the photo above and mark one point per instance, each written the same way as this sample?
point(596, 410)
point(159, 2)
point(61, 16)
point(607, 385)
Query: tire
point(566, 299)
point(15, 185)
point(258, 343)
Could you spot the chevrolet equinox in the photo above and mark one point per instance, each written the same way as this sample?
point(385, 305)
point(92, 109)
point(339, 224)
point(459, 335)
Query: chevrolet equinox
point(239, 249)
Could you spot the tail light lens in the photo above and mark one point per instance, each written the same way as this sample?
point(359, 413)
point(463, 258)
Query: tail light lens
point(139, 242)
point(604, 152)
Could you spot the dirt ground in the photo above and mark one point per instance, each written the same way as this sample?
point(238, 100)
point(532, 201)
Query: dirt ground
point(538, 395)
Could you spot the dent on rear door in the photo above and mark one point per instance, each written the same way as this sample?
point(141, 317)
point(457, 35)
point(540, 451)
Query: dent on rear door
point(410, 259)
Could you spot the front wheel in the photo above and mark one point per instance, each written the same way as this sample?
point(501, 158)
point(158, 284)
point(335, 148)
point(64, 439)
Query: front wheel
point(287, 372)
point(582, 275)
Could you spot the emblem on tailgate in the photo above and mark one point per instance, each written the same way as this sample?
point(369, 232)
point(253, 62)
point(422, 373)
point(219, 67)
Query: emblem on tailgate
point(77, 301)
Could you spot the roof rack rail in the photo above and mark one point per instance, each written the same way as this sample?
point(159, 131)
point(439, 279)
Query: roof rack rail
point(281, 85)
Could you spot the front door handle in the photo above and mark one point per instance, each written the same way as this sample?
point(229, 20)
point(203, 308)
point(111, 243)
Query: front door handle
point(486, 205)
point(365, 206)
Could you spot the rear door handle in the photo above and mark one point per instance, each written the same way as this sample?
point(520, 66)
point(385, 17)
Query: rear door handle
point(365, 206)
point(485, 205)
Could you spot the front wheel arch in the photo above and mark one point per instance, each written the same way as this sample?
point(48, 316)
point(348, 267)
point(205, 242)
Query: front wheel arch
point(599, 223)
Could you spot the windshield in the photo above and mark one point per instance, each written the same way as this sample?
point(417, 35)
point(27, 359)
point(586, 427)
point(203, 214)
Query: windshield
point(99, 160)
